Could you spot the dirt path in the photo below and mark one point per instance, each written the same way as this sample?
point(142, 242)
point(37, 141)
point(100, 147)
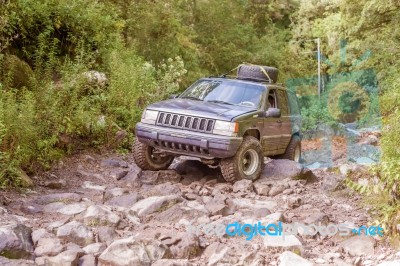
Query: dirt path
point(103, 210)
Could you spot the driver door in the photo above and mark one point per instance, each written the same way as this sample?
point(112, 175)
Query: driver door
point(271, 137)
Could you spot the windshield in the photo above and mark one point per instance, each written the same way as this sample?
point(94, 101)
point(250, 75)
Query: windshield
point(225, 92)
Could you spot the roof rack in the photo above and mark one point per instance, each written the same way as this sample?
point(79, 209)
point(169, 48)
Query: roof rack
point(226, 75)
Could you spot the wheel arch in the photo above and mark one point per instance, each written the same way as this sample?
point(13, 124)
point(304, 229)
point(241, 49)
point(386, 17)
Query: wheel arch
point(253, 132)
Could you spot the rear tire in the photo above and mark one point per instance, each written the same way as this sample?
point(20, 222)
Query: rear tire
point(254, 72)
point(146, 159)
point(293, 150)
point(247, 163)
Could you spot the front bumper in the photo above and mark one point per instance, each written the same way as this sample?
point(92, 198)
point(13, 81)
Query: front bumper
point(186, 142)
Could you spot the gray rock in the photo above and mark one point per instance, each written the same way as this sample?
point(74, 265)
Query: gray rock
point(288, 243)
point(72, 209)
point(15, 262)
point(16, 241)
point(41, 233)
point(263, 186)
point(294, 202)
point(288, 258)
point(154, 204)
point(131, 251)
point(106, 234)
point(100, 215)
point(163, 189)
point(390, 263)
point(243, 186)
point(217, 206)
point(31, 208)
point(172, 262)
point(55, 183)
point(54, 225)
point(66, 258)
point(132, 178)
point(114, 163)
point(118, 174)
point(75, 232)
point(53, 207)
point(89, 175)
point(58, 197)
point(232, 254)
point(95, 248)
point(276, 189)
point(332, 182)
point(312, 216)
point(183, 246)
point(359, 245)
point(125, 201)
point(252, 205)
point(48, 247)
point(92, 186)
point(87, 260)
point(282, 169)
point(114, 192)
point(158, 177)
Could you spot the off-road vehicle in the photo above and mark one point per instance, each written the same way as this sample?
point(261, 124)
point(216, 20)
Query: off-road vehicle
point(230, 121)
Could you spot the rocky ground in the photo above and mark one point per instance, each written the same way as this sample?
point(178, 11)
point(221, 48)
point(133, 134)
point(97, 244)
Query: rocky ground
point(102, 210)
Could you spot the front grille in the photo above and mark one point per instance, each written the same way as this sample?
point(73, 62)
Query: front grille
point(187, 122)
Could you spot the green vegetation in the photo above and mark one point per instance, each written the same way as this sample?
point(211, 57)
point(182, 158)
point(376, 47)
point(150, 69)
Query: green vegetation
point(150, 49)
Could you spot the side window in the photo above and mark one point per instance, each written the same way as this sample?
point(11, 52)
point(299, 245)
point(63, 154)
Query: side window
point(283, 102)
point(271, 101)
point(293, 103)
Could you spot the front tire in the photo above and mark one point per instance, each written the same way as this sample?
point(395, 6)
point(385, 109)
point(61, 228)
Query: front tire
point(146, 158)
point(247, 163)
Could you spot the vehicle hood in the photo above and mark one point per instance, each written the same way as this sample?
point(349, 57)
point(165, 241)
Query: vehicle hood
point(201, 108)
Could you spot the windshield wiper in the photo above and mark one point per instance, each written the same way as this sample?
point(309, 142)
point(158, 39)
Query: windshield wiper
point(191, 98)
point(218, 101)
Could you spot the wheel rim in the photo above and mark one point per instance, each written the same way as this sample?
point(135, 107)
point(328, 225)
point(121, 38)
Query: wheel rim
point(157, 157)
point(297, 153)
point(250, 162)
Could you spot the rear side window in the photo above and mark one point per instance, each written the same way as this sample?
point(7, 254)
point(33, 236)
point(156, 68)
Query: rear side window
point(294, 104)
point(283, 102)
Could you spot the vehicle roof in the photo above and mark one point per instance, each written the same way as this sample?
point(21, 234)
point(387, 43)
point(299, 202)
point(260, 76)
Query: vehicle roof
point(266, 84)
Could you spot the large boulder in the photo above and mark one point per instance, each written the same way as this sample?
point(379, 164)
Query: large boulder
point(232, 254)
point(10, 262)
point(287, 243)
point(288, 258)
point(154, 204)
point(66, 258)
point(131, 251)
point(75, 232)
point(359, 245)
point(16, 242)
point(16, 73)
point(99, 215)
point(282, 169)
point(58, 197)
point(48, 247)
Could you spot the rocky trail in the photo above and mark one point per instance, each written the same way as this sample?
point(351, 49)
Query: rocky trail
point(96, 209)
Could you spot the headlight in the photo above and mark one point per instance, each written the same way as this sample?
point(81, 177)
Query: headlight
point(226, 128)
point(149, 117)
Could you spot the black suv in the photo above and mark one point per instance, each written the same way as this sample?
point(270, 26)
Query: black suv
point(228, 121)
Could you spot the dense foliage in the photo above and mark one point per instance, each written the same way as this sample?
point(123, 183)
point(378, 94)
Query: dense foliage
point(50, 105)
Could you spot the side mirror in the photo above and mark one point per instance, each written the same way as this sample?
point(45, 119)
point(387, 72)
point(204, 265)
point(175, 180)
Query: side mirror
point(273, 112)
point(173, 96)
